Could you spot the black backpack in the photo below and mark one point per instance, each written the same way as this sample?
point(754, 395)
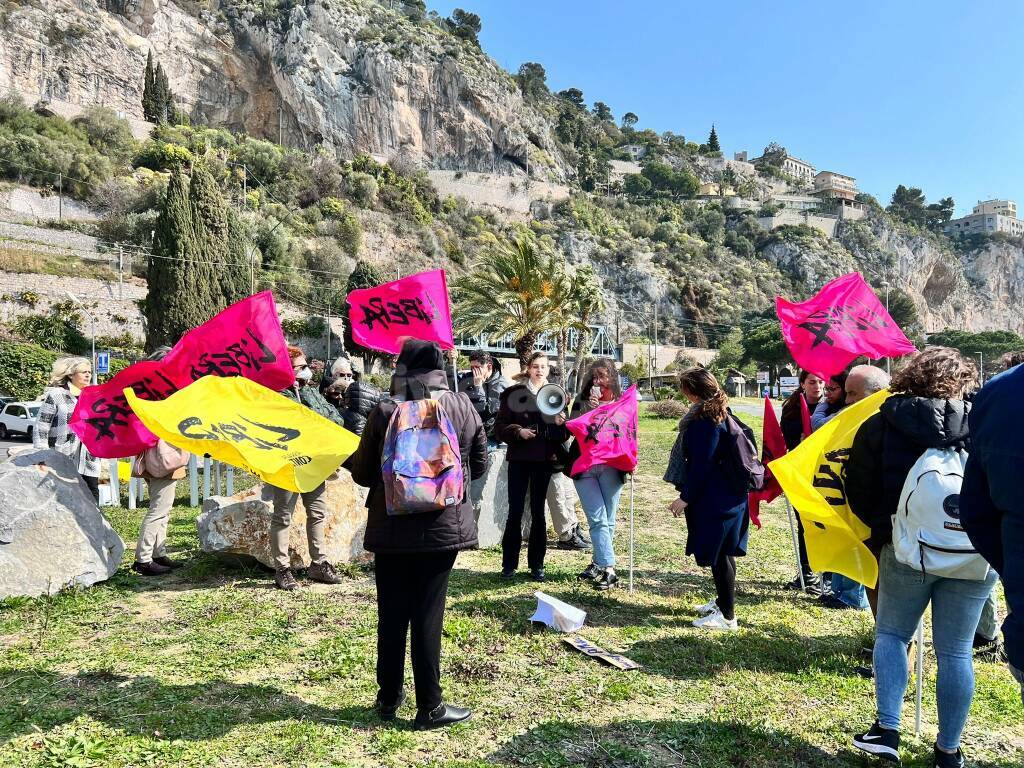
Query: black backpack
point(747, 469)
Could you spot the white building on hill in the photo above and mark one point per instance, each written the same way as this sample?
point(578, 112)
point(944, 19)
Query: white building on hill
point(988, 216)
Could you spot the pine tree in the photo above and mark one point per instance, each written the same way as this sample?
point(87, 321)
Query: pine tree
point(365, 275)
point(210, 224)
point(147, 90)
point(713, 145)
point(163, 99)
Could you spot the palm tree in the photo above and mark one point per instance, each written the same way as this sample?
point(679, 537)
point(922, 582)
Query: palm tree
point(587, 301)
point(511, 289)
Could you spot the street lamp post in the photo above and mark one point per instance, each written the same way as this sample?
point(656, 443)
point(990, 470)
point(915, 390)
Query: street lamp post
point(92, 328)
point(981, 366)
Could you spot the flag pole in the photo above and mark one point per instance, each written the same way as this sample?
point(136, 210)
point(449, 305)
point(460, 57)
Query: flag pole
point(631, 533)
point(919, 693)
point(796, 545)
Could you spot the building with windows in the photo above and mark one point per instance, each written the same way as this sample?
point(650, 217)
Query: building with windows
point(988, 217)
point(835, 185)
point(799, 169)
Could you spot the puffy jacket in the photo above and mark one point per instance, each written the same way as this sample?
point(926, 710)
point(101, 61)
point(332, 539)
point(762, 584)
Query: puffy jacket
point(310, 397)
point(446, 530)
point(361, 397)
point(518, 410)
point(991, 502)
point(888, 444)
point(487, 397)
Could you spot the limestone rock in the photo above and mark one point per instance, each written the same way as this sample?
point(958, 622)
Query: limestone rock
point(52, 534)
point(239, 525)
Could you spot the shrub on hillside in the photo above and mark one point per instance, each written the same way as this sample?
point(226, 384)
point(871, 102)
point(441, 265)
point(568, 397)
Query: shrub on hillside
point(24, 369)
point(362, 188)
point(58, 330)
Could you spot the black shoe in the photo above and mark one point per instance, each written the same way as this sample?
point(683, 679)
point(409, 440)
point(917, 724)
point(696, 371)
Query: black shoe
point(166, 562)
point(947, 760)
point(881, 742)
point(576, 541)
point(591, 573)
point(537, 574)
point(442, 715)
point(865, 671)
point(831, 601)
point(285, 579)
point(151, 568)
point(324, 573)
point(989, 650)
point(387, 713)
point(508, 573)
point(606, 580)
point(810, 580)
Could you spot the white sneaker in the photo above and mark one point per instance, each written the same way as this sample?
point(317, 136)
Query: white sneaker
point(708, 608)
point(716, 621)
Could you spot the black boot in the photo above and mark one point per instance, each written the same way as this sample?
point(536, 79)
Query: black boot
point(442, 715)
point(388, 712)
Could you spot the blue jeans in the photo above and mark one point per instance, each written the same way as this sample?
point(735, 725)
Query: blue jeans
point(599, 489)
point(850, 592)
point(903, 596)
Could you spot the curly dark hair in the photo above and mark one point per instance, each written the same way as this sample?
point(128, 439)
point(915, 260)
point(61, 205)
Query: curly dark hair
point(1010, 360)
point(940, 372)
point(700, 383)
point(605, 364)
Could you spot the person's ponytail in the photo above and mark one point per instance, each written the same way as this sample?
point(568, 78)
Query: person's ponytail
point(700, 383)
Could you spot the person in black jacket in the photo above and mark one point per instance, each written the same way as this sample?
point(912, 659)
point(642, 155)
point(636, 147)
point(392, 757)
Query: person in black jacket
point(534, 453)
point(415, 553)
point(991, 502)
point(484, 385)
point(792, 423)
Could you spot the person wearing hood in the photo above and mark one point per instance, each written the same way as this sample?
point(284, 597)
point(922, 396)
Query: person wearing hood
point(414, 553)
point(304, 393)
point(927, 410)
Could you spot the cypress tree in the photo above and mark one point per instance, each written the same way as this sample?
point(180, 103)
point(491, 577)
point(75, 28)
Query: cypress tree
point(183, 290)
point(236, 279)
point(365, 275)
point(147, 89)
point(210, 223)
point(162, 98)
point(713, 140)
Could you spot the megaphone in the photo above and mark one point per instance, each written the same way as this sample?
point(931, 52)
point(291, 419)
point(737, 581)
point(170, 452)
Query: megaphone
point(551, 399)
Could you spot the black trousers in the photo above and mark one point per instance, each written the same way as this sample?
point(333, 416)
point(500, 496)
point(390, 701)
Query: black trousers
point(536, 476)
point(94, 486)
point(805, 564)
point(724, 573)
point(411, 591)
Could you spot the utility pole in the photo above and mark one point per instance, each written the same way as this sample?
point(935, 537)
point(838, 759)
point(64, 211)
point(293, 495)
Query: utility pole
point(60, 196)
point(981, 367)
point(120, 272)
point(280, 126)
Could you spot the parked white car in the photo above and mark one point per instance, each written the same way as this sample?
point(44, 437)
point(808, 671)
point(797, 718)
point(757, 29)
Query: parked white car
point(18, 418)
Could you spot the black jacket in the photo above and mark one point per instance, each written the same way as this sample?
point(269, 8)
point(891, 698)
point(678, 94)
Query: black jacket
point(485, 398)
point(518, 410)
point(888, 444)
point(991, 502)
point(446, 530)
point(361, 397)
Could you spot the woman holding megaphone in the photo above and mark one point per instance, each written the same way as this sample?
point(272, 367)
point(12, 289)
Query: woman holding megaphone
point(532, 423)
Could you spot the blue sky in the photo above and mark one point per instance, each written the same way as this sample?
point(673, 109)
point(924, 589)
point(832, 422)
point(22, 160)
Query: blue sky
point(926, 94)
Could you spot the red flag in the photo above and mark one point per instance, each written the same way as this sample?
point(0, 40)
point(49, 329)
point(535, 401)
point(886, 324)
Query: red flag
point(412, 307)
point(843, 321)
point(805, 417)
point(607, 434)
point(773, 445)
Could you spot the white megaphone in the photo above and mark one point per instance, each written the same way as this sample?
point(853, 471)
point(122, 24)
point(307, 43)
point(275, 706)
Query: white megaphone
point(551, 399)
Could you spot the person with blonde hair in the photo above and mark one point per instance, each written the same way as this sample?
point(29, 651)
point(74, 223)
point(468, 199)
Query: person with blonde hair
point(926, 411)
point(712, 501)
point(70, 375)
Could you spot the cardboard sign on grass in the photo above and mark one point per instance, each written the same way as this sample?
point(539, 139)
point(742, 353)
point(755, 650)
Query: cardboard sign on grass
point(597, 652)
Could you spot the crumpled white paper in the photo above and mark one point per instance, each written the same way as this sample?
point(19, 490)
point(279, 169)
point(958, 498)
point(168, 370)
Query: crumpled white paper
point(556, 614)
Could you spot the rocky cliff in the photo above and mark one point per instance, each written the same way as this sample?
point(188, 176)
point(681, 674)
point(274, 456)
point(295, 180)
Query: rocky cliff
point(348, 75)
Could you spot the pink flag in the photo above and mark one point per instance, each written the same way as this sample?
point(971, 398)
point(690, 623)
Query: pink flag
point(412, 307)
point(243, 340)
point(843, 321)
point(607, 435)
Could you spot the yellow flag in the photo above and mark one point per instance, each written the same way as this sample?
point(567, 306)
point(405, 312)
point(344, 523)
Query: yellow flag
point(242, 423)
point(813, 477)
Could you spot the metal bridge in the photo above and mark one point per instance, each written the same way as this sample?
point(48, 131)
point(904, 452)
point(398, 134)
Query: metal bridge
point(601, 344)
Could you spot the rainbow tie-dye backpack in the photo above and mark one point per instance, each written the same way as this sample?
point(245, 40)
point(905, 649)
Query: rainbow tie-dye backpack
point(422, 463)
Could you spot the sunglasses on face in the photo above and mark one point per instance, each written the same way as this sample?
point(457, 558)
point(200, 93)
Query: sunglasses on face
point(344, 375)
point(832, 389)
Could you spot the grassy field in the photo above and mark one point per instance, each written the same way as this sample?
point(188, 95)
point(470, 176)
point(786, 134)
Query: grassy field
point(213, 667)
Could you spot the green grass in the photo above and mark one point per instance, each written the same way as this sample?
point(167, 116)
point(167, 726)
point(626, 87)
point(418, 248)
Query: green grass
point(214, 667)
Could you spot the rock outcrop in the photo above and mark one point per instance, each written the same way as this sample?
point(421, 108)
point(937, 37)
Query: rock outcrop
point(239, 526)
point(52, 534)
